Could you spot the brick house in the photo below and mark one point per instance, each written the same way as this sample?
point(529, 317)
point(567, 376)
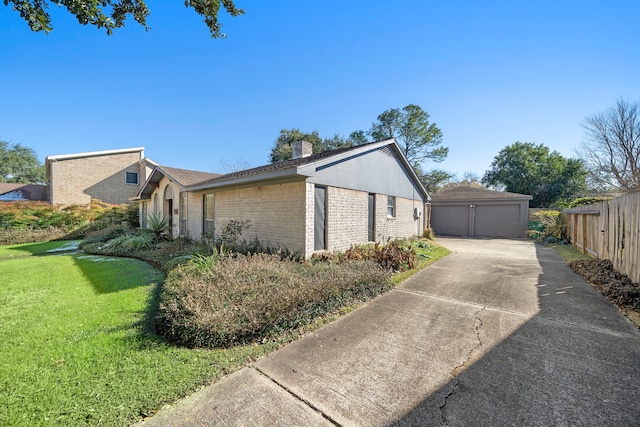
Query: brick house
point(314, 202)
point(112, 176)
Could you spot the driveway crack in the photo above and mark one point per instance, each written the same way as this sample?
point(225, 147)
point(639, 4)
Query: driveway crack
point(455, 372)
point(297, 396)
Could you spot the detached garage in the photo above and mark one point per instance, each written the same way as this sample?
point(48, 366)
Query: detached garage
point(470, 211)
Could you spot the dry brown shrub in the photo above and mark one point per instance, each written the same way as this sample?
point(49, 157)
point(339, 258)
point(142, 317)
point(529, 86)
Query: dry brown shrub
point(246, 298)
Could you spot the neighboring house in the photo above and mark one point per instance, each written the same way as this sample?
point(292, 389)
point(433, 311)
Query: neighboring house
point(10, 192)
point(471, 211)
point(325, 201)
point(112, 176)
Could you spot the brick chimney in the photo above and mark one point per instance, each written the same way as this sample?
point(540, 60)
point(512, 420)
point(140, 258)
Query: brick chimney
point(300, 149)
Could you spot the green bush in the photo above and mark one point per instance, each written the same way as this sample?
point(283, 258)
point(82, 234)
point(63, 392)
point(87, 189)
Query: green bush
point(582, 201)
point(551, 227)
point(240, 299)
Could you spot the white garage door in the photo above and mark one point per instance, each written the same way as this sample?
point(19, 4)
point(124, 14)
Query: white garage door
point(498, 221)
point(450, 220)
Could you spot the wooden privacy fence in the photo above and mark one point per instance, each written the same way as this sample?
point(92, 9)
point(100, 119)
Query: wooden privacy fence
point(609, 230)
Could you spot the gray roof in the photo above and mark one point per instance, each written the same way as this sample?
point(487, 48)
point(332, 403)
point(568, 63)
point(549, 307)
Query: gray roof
point(285, 170)
point(183, 177)
point(188, 177)
point(464, 192)
point(279, 166)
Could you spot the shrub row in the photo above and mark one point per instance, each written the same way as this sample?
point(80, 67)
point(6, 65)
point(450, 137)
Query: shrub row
point(394, 255)
point(22, 222)
point(226, 300)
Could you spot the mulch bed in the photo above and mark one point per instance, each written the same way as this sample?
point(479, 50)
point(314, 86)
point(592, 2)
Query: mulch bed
point(618, 288)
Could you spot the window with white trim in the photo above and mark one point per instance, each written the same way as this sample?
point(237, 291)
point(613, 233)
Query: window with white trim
point(391, 206)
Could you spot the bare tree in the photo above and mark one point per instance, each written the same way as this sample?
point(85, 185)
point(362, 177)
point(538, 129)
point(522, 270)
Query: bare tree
point(235, 165)
point(612, 149)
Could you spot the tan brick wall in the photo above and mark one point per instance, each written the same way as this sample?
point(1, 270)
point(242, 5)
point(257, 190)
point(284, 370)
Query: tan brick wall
point(77, 181)
point(283, 215)
point(347, 218)
point(276, 213)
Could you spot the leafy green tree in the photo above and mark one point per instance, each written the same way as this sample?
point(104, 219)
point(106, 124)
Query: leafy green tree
point(111, 14)
point(612, 148)
point(358, 137)
point(532, 169)
point(336, 142)
point(20, 164)
point(281, 149)
point(419, 139)
point(435, 179)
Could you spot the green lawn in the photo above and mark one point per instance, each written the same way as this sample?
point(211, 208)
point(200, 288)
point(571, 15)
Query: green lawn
point(77, 344)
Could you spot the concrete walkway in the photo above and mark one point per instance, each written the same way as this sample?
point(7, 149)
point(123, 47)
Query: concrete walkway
point(500, 332)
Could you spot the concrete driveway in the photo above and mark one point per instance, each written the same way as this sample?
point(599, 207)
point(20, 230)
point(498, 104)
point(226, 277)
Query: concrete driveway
point(500, 332)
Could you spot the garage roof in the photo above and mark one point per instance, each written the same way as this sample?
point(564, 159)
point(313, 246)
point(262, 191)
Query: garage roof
point(475, 193)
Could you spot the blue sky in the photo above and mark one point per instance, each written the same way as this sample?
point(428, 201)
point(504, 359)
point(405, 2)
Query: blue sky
point(489, 73)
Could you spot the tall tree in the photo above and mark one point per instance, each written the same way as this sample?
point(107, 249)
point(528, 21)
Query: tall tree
point(534, 170)
point(419, 139)
point(20, 164)
point(612, 149)
point(111, 14)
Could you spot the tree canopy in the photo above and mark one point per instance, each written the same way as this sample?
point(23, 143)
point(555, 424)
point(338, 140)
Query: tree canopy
point(419, 139)
point(281, 149)
point(111, 14)
point(532, 169)
point(20, 164)
point(612, 149)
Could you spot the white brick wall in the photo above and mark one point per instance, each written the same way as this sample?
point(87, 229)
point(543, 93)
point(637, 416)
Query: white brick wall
point(403, 225)
point(347, 218)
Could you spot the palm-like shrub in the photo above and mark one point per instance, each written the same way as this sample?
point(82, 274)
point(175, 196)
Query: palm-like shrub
point(158, 225)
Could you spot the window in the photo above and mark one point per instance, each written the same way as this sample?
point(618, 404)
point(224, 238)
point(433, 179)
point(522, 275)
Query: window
point(391, 207)
point(132, 178)
point(208, 213)
point(183, 214)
